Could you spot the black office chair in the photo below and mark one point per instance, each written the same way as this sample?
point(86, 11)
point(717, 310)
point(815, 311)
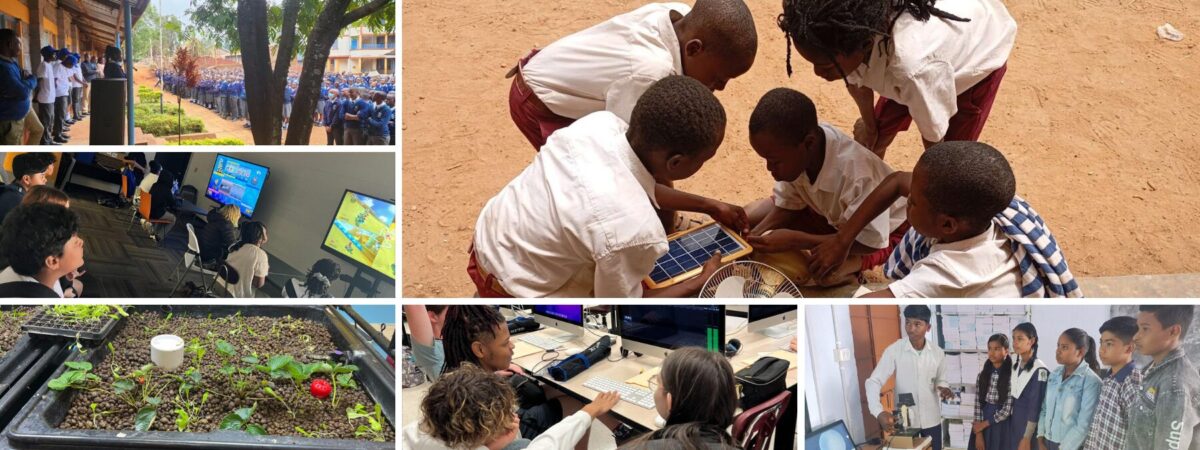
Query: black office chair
point(189, 193)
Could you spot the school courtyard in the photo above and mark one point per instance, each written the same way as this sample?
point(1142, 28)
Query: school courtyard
point(1094, 114)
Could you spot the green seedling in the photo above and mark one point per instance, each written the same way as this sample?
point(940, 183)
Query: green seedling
point(271, 392)
point(374, 427)
point(96, 414)
point(239, 420)
point(79, 376)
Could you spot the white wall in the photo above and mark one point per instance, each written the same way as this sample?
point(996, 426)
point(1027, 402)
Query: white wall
point(831, 387)
point(1052, 321)
point(300, 196)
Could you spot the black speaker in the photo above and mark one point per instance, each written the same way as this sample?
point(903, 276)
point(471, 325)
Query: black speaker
point(108, 112)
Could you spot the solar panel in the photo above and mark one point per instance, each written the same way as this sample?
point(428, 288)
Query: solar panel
point(690, 249)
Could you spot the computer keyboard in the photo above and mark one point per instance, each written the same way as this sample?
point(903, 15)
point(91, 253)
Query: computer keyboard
point(783, 344)
point(635, 395)
point(542, 342)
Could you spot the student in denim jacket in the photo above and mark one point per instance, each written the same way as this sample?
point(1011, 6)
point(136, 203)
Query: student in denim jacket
point(1165, 413)
point(1071, 393)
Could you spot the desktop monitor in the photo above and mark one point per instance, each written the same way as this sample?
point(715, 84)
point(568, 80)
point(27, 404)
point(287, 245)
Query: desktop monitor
point(834, 436)
point(236, 182)
point(567, 318)
point(657, 329)
point(363, 232)
point(762, 317)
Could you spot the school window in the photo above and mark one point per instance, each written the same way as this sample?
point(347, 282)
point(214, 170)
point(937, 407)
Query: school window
point(354, 43)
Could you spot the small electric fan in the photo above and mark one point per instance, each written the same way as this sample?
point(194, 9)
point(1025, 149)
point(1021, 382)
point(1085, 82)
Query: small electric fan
point(749, 279)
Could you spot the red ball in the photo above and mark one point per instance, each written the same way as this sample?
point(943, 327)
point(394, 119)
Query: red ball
point(320, 389)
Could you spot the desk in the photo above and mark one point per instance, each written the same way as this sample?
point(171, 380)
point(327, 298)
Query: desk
point(924, 445)
point(185, 206)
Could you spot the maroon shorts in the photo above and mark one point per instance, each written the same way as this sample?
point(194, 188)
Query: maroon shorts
point(974, 105)
point(535, 120)
point(485, 283)
point(870, 261)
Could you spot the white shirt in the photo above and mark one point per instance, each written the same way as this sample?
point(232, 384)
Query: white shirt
point(848, 175)
point(62, 84)
point(45, 90)
point(931, 62)
point(981, 266)
point(249, 261)
point(9, 276)
point(562, 436)
point(917, 373)
point(578, 222)
point(148, 182)
point(76, 71)
point(608, 66)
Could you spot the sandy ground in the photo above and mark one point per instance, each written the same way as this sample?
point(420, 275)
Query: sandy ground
point(213, 122)
point(1097, 115)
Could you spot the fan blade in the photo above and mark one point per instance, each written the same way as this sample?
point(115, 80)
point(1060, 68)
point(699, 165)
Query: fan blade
point(731, 287)
point(783, 295)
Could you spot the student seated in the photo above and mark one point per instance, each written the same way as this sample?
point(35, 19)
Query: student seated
point(72, 285)
point(316, 284)
point(162, 197)
point(471, 408)
point(609, 66)
point(219, 234)
point(580, 221)
point(971, 235)
point(696, 394)
point(151, 176)
point(249, 261)
point(1164, 414)
point(29, 170)
point(822, 176)
point(42, 245)
point(1121, 380)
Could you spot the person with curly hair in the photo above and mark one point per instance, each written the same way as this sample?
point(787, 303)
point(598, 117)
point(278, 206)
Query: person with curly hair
point(472, 409)
point(41, 243)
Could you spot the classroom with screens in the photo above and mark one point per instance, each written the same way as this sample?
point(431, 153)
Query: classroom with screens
point(639, 351)
point(236, 182)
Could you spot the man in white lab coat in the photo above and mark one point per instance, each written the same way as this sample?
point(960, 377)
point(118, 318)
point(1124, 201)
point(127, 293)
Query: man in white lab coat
point(919, 366)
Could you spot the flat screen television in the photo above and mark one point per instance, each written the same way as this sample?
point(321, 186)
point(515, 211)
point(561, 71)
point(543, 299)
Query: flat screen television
point(363, 232)
point(236, 182)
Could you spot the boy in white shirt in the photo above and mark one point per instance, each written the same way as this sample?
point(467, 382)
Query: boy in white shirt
point(45, 94)
point(971, 235)
point(62, 92)
point(607, 68)
point(580, 221)
point(920, 367)
point(936, 62)
point(822, 176)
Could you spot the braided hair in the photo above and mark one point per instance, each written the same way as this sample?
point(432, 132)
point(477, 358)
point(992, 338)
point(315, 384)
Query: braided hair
point(1031, 332)
point(839, 27)
point(464, 325)
point(984, 381)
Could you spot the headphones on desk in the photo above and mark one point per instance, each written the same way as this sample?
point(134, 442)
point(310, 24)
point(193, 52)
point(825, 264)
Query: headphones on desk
point(732, 348)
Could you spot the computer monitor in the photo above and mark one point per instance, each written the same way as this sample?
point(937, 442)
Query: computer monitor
point(834, 436)
point(656, 330)
point(764, 317)
point(363, 232)
point(567, 318)
point(236, 182)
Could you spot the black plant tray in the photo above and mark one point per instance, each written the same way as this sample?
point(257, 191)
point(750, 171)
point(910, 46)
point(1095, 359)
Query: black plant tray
point(45, 323)
point(36, 426)
point(24, 369)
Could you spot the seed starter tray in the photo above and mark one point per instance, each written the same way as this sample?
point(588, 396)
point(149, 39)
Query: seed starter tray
point(45, 323)
point(36, 426)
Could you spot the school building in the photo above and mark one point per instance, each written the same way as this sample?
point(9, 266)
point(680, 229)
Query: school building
point(80, 25)
point(360, 50)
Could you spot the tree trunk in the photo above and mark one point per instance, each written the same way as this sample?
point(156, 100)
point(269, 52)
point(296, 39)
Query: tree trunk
point(325, 31)
point(265, 109)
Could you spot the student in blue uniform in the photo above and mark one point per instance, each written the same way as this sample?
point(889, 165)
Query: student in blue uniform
point(1029, 378)
point(378, 122)
point(994, 401)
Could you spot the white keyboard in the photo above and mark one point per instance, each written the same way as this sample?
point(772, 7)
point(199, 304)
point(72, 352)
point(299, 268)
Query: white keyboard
point(635, 395)
point(784, 344)
point(542, 342)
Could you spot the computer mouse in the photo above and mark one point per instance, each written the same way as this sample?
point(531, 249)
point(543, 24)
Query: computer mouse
point(572, 350)
point(732, 347)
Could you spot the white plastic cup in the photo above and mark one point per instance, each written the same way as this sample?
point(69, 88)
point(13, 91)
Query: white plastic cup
point(166, 351)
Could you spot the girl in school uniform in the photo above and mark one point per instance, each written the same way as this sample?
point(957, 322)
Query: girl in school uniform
point(1028, 388)
point(994, 403)
point(936, 62)
point(1071, 394)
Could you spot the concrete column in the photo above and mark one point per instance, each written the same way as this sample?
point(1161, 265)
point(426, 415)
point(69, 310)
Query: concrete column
point(35, 31)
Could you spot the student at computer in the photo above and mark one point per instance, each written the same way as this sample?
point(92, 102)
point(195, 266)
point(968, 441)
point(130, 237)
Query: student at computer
point(249, 261)
point(425, 337)
point(470, 408)
point(219, 234)
point(696, 393)
point(919, 366)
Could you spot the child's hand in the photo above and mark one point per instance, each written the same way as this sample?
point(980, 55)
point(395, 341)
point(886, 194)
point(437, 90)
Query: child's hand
point(602, 404)
point(827, 256)
point(979, 426)
point(773, 241)
point(732, 216)
point(979, 445)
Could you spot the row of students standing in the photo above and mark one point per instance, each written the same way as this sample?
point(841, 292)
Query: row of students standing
point(466, 352)
point(1098, 398)
point(620, 111)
